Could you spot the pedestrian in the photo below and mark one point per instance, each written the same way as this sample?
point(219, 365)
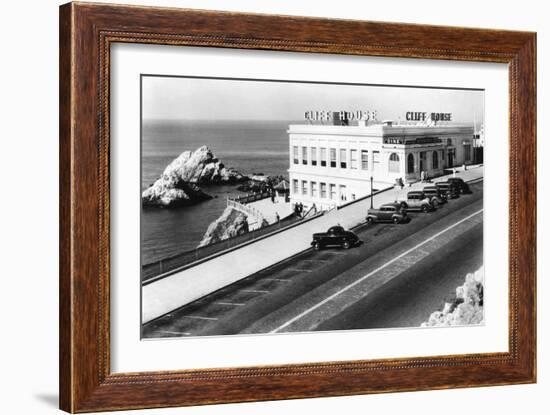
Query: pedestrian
point(422, 176)
point(272, 196)
point(277, 217)
point(401, 183)
point(314, 208)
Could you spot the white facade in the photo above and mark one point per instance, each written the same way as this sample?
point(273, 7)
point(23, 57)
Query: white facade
point(332, 164)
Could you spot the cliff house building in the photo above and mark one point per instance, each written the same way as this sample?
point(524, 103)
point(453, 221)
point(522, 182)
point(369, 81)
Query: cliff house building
point(332, 165)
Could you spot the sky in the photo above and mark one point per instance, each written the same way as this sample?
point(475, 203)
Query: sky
point(179, 98)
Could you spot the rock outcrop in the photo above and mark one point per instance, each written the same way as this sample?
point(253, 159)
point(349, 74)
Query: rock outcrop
point(466, 308)
point(201, 167)
point(253, 184)
point(178, 184)
point(168, 194)
point(230, 224)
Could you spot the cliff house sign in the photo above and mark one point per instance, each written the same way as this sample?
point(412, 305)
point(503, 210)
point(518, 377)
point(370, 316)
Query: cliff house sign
point(423, 116)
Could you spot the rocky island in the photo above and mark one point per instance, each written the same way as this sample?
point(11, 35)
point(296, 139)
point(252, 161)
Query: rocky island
point(466, 308)
point(230, 224)
point(179, 184)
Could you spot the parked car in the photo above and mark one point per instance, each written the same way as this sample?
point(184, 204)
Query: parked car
point(434, 194)
point(389, 212)
point(335, 236)
point(450, 190)
point(461, 184)
point(417, 200)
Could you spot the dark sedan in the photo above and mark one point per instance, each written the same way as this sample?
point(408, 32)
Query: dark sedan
point(336, 236)
point(450, 190)
point(460, 184)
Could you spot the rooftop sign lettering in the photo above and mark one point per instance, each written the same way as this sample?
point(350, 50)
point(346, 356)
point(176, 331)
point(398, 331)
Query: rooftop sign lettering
point(356, 115)
point(424, 116)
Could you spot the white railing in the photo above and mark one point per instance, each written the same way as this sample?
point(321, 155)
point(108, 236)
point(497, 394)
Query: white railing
point(247, 210)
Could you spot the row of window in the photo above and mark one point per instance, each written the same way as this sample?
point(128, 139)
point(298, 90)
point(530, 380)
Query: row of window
point(328, 157)
point(310, 157)
point(319, 189)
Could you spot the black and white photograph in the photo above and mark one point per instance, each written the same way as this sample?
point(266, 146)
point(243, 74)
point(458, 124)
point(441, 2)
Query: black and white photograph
point(274, 206)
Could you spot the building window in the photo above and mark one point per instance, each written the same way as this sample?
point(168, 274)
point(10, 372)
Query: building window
point(343, 194)
point(435, 160)
point(333, 191)
point(353, 159)
point(323, 190)
point(304, 187)
point(467, 152)
point(410, 163)
point(343, 158)
point(295, 154)
point(295, 186)
point(332, 157)
point(364, 159)
point(393, 165)
point(313, 189)
point(323, 157)
point(313, 156)
point(304, 155)
point(423, 161)
point(376, 156)
point(449, 141)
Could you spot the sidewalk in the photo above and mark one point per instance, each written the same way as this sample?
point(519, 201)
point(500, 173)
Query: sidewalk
point(269, 209)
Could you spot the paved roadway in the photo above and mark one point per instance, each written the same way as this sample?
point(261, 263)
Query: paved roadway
point(395, 278)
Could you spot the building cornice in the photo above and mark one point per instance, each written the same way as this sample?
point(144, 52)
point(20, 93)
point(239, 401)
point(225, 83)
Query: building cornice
point(378, 130)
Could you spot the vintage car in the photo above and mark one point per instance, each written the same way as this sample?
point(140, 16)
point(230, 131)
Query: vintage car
point(417, 200)
point(461, 184)
point(450, 190)
point(434, 194)
point(389, 212)
point(336, 236)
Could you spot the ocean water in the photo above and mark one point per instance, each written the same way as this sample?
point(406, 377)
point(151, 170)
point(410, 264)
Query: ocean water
point(248, 146)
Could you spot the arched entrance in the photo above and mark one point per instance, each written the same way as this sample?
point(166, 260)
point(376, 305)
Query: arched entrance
point(393, 163)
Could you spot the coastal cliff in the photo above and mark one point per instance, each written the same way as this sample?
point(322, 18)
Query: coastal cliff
point(466, 308)
point(230, 224)
point(179, 183)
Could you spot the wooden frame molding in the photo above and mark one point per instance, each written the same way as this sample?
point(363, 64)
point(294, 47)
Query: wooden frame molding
point(86, 33)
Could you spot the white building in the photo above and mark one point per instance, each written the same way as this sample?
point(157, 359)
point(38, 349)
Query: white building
point(332, 164)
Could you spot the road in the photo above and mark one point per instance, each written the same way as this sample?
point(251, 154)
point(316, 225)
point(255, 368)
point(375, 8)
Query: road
point(409, 299)
point(395, 278)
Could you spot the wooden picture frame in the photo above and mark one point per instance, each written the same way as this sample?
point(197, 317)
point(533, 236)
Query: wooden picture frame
point(86, 33)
